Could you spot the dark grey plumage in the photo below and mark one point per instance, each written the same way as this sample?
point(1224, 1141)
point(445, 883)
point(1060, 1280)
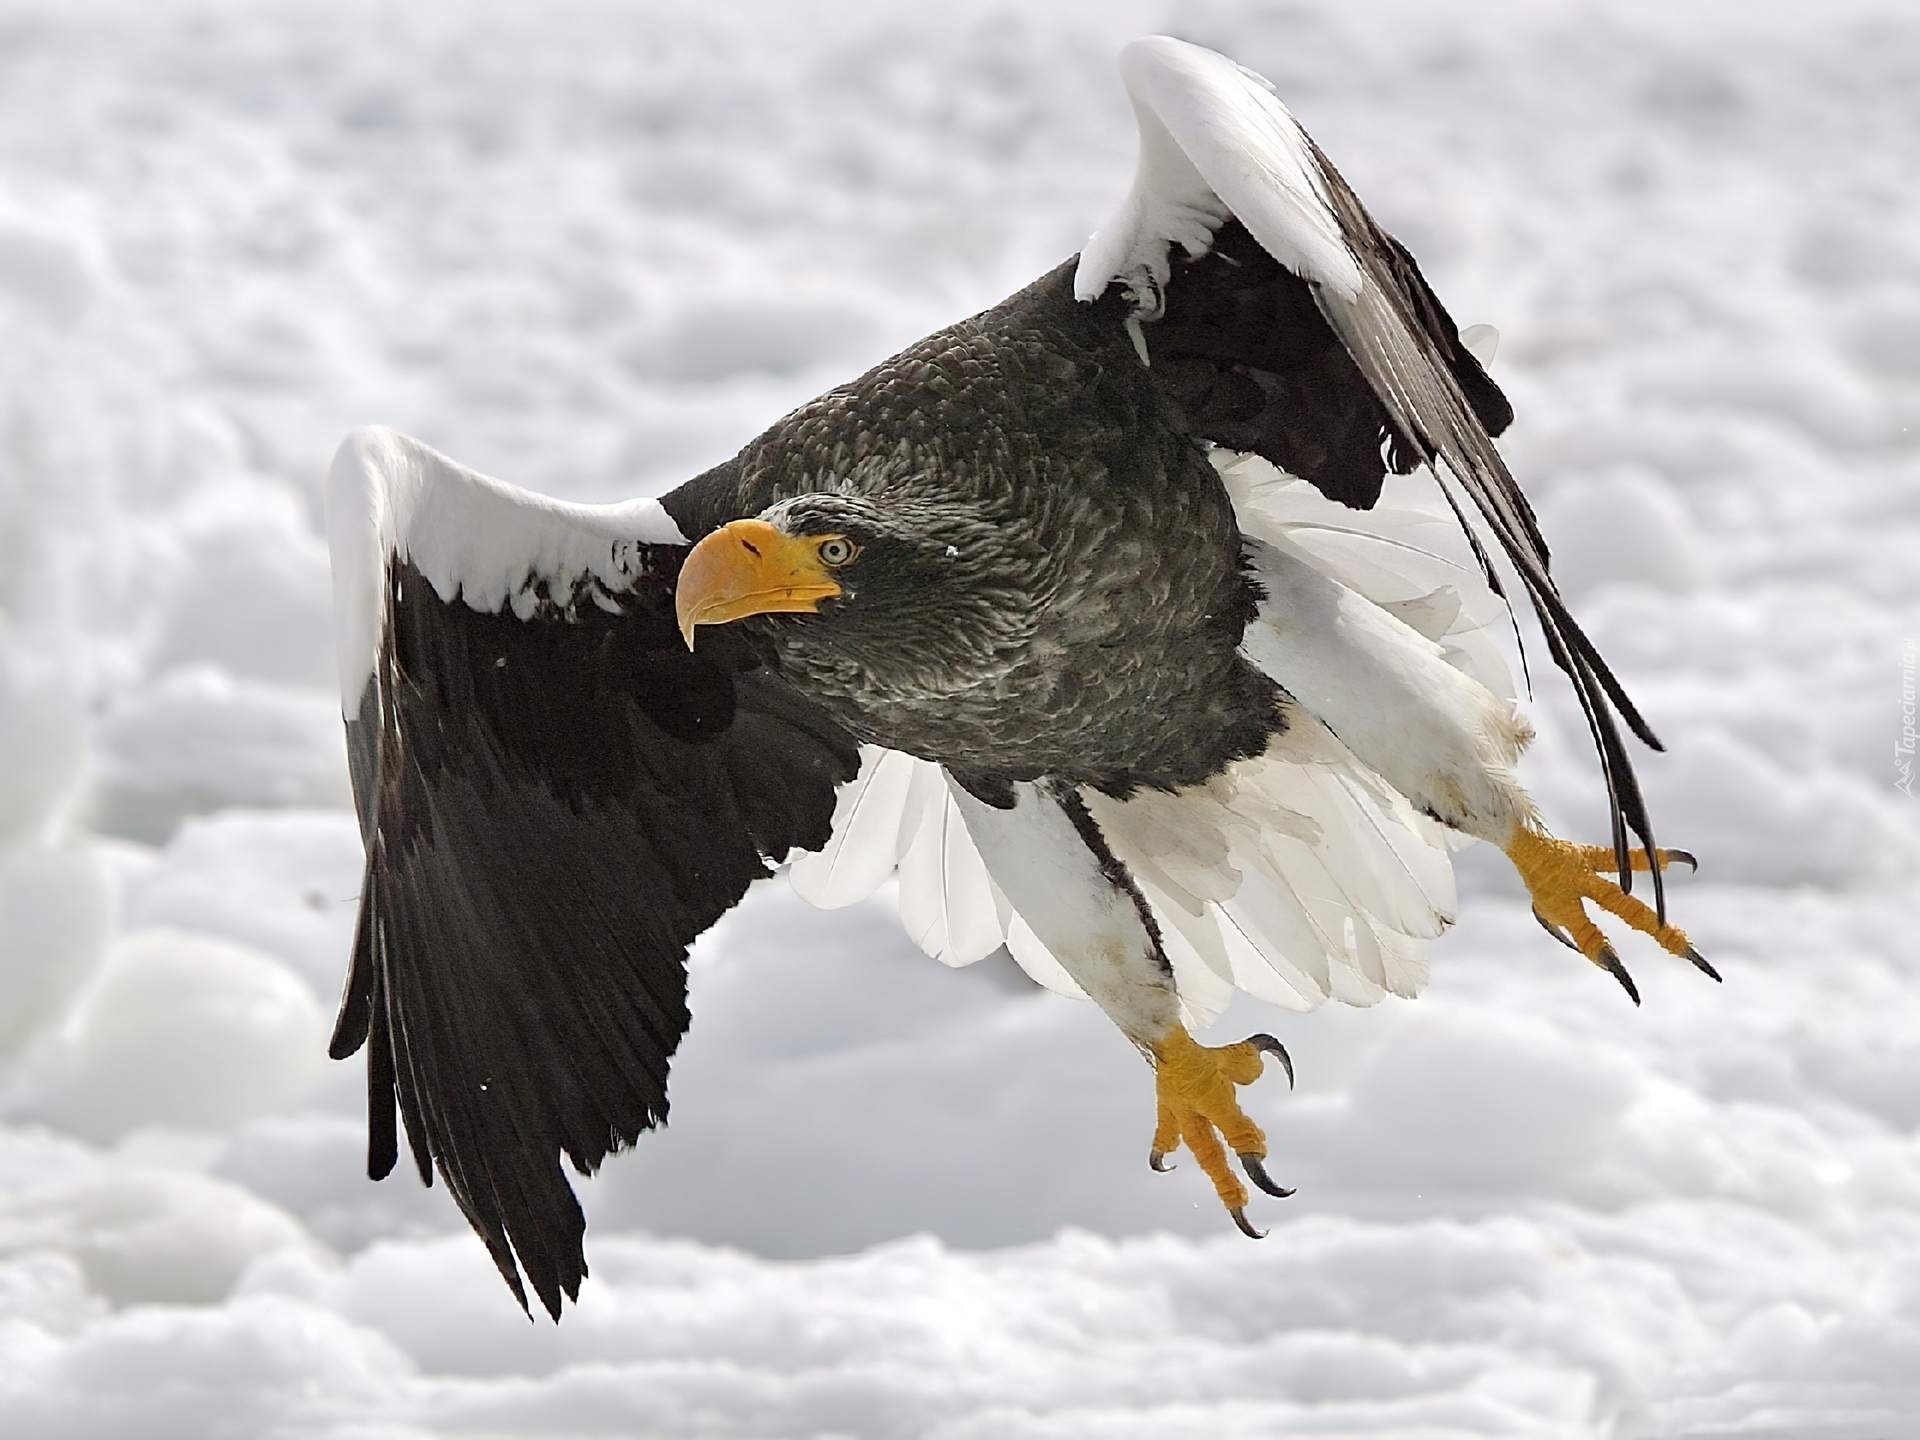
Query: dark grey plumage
point(1050, 582)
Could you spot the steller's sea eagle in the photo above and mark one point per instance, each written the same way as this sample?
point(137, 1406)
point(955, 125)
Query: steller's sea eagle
point(1083, 614)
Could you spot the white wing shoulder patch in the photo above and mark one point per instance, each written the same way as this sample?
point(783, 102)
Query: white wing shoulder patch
point(1214, 140)
point(391, 498)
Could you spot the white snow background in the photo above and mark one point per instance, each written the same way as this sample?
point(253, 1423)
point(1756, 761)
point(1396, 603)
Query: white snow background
point(592, 248)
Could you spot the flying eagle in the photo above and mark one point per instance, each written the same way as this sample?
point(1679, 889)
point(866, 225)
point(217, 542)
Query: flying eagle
point(1084, 615)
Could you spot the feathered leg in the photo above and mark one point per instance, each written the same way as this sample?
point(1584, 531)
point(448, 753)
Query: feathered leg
point(1050, 858)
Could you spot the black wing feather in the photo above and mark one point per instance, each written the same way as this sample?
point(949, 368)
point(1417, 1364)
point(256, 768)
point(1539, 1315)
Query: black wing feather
point(1387, 329)
point(555, 807)
point(1242, 346)
point(1340, 391)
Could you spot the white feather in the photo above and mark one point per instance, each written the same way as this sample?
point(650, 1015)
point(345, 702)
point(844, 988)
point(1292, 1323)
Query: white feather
point(925, 799)
point(1340, 933)
point(865, 844)
point(1374, 856)
point(1298, 876)
point(1407, 555)
point(948, 903)
point(898, 813)
point(1433, 733)
point(1405, 961)
point(1062, 899)
point(1201, 970)
point(1258, 959)
point(1034, 958)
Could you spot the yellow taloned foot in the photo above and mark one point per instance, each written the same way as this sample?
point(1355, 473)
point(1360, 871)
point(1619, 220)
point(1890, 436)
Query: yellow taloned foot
point(1561, 876)
point(1194, 1084)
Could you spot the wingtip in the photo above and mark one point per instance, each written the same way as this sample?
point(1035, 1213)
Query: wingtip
point(346, 1042)
point(557, 1288)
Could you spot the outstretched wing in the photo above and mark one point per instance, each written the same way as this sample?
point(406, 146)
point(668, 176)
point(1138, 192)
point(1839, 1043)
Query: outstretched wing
point(556, 798)
point(1297, 328)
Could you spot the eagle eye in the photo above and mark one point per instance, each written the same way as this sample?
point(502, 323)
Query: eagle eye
point(836, 550)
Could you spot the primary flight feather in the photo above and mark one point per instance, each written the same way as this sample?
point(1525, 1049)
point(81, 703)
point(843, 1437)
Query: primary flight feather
point(1086, 616)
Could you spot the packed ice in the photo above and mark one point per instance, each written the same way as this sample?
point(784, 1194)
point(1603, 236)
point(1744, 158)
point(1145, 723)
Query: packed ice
point(591, 247)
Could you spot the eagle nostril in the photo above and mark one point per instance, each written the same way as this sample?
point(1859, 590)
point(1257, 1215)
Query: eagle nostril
point(752, 549)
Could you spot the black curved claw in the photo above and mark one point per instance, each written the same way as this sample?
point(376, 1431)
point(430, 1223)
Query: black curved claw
point(1246, 1226)
point(1157, 1161)
point(1700, 962)
point(1274, 1048)
point(1557, 933)
point(1257, 1172)
point(1685, 857)
point(1610, 962)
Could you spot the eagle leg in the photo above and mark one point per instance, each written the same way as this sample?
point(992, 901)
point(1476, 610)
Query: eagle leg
point(1194, 1085)
point(1562, 876)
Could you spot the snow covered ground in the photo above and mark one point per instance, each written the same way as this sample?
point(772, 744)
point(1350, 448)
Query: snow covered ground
point(592, 247)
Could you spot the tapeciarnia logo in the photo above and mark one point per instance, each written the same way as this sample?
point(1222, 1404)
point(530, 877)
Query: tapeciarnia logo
point(1903, 747)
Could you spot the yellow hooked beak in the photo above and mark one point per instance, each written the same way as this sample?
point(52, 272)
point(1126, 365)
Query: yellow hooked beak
point(750, 568)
